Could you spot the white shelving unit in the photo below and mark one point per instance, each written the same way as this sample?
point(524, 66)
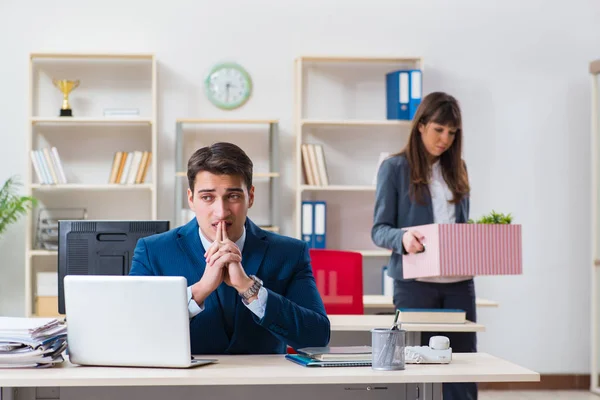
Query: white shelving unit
point(595, 264)
point(249, 134)
point(87, 141)
point(90, 120)
point(352, 131)
point(372, 123)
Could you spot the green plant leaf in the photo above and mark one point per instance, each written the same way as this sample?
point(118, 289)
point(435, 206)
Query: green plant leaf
point(13, 206)
point(494, 218)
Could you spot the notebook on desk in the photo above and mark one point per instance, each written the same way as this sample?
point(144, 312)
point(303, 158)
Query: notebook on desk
point(337, 353)
point(311, 362)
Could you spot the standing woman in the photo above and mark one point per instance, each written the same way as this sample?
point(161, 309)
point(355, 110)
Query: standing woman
point(427, 183)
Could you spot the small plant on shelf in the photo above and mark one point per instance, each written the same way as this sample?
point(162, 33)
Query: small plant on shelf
point(493, 218)
point(12, 206)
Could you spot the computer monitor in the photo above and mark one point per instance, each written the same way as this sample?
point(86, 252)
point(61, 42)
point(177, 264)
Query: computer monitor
point(88, 247)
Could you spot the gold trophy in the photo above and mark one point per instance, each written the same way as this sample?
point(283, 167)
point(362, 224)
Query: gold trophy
point(66, 87)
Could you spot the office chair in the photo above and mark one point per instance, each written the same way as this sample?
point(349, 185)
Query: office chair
point(339, 279)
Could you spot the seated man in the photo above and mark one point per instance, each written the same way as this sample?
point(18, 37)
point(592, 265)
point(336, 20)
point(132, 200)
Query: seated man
point(250, 291)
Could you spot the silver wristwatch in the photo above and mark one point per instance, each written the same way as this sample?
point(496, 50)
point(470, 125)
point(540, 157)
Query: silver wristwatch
point(253, 290)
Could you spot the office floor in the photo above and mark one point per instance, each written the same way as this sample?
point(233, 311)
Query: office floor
point(536, 395)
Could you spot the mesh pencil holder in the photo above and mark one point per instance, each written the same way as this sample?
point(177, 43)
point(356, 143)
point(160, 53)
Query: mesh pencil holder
point(387, 347)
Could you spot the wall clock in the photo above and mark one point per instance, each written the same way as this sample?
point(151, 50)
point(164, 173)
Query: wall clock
point(228, 86)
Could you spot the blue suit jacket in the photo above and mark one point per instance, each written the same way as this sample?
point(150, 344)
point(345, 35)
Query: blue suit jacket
point(294, 314)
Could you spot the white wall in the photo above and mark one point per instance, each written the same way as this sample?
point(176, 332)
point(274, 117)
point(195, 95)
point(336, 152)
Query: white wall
point(518, 68)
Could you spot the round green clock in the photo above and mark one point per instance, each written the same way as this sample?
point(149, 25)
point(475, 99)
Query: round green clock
point(228, 86)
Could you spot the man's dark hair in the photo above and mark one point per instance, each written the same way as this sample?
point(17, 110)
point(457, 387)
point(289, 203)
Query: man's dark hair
point(220, 159)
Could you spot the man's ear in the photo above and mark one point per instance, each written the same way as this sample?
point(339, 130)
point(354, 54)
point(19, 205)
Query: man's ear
point(250, 196)
point(190, 196)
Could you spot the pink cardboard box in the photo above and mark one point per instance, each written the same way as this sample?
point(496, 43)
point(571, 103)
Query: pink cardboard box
point(466, 249)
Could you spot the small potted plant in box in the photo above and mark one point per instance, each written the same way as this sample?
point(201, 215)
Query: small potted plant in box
point(490, 245)
point(493, 218)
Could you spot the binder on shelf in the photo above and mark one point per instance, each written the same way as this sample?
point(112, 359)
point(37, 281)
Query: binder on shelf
point(320, 223)
point(307, 223)
point(403, 93)
point(314, 222)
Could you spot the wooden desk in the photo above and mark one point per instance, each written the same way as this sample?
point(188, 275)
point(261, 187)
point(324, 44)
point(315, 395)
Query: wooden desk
point(351, 330)
point(356, 323)
point(256, 371)
point(379, 303)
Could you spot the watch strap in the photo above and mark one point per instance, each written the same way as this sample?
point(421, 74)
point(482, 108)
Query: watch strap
point(252, 290)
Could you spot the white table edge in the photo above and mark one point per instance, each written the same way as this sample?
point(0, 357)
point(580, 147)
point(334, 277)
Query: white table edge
point(361, 326)
point(478, 367)
point(378, 301)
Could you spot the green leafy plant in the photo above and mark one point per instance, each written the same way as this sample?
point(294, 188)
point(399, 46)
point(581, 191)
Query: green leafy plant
point(12, 206)
point(493, 218)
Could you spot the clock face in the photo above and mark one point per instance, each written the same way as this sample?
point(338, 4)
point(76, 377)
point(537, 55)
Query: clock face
point(228, 86)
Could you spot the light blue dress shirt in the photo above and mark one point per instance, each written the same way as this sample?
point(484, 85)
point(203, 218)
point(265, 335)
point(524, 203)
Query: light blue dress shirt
point(258, 306)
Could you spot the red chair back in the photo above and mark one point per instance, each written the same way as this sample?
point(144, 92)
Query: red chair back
point(339, 279)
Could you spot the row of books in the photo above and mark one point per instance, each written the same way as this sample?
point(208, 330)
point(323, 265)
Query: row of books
point(314, 166)
point(47, 166)
point(130, 167)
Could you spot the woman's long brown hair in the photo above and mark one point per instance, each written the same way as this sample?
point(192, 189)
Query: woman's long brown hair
point(442, 109)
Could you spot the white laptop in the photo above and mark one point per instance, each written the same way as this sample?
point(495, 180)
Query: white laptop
point(136, 321)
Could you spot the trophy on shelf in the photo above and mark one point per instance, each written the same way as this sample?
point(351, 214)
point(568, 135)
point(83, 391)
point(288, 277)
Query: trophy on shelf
point(66, 87)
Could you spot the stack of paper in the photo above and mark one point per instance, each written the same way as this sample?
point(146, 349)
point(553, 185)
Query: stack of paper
point(31, 342)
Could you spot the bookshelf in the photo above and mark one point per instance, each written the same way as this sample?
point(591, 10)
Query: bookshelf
point(594, 70)
point(374, 123)
point(340, 105)
point(263, 150)
point(87, 142)
point(90, 120)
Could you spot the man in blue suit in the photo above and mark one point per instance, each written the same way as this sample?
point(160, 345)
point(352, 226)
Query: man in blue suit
point(250, 291)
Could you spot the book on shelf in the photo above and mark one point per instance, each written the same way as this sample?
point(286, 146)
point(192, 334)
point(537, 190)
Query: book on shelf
point(314, 165)
point(121, 112)
point(48, 166)
point(129, 168)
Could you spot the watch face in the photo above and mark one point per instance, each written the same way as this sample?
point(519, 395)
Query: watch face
point(228, 86)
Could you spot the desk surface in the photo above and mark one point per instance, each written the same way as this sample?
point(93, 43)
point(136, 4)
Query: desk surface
point(270, 370)
point(368, 322)
point(379, 301)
